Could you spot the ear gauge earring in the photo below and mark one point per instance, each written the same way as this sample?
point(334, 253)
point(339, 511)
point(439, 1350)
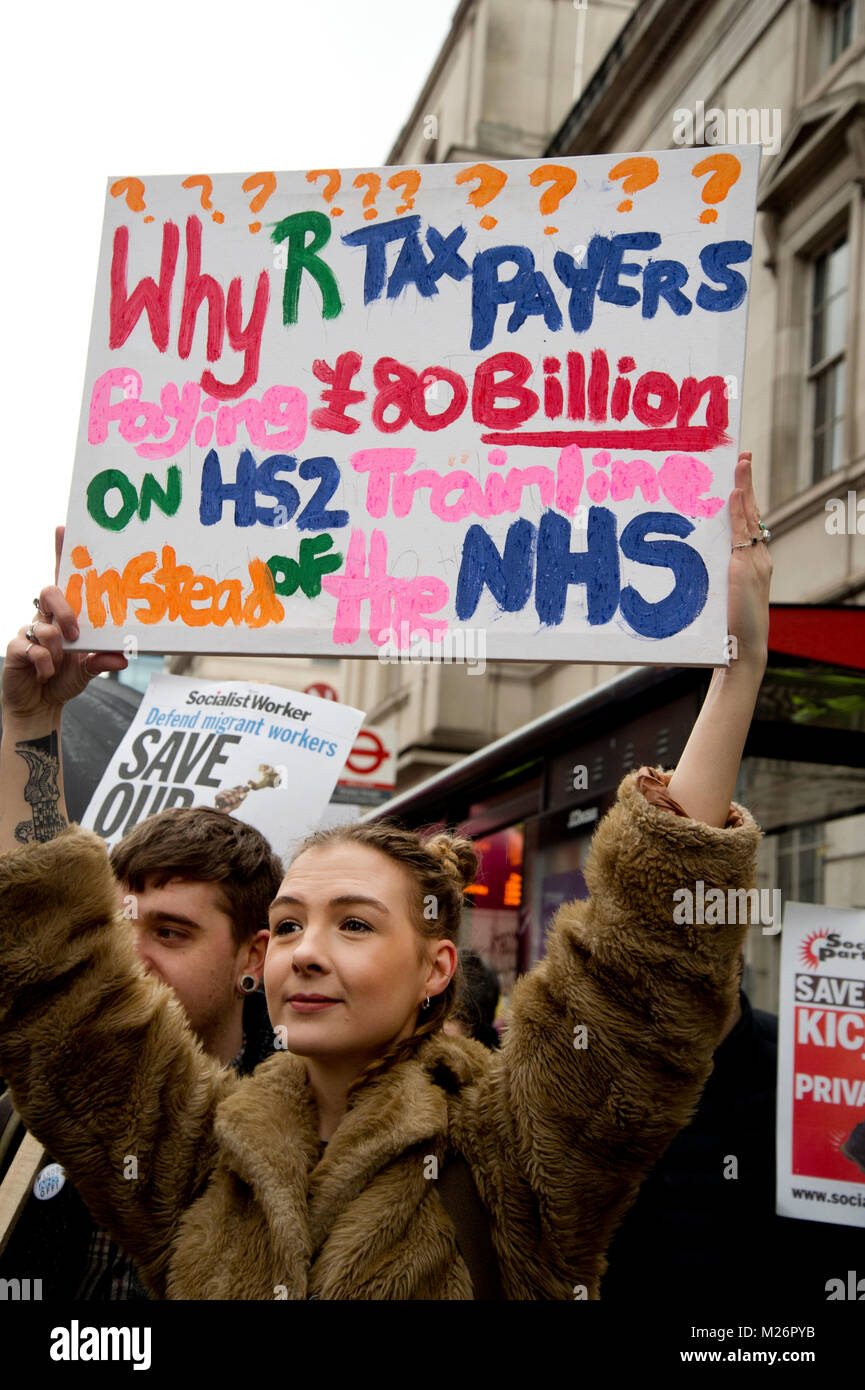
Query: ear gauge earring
point(247, 983)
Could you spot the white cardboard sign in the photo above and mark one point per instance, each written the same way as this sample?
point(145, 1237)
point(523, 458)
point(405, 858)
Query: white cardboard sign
point(336, 411)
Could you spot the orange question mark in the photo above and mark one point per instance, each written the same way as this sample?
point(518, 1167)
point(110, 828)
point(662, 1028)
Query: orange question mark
point(373, 183)
point(563, 180)
point(491, 181)
point(134, 190)
point(267, 184)
point(638, 173)
point(206, 185)
point(725, 170)
point(334, 180)
point(409, 181)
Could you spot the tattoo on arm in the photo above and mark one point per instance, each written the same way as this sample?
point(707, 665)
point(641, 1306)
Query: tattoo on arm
point(42, 756)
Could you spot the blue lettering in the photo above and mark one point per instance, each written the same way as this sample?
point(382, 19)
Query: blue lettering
point(558, 567)
point(250, 479)
point(488, 291)
point(609, 288)
point(508, 576)
point(445, 257)
point(715, 260)
point(679, 609)
point(376, 239)
point(664, 280)
point(582, 281)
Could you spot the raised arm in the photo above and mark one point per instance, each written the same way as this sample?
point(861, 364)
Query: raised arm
point(38, 678)
point(613, 1032)
point(718, 738)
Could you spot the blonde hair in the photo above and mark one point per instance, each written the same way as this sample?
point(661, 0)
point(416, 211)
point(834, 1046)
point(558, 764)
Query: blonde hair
point(441, 867)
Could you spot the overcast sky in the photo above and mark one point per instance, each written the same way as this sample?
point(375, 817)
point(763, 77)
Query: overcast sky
point(157, 87)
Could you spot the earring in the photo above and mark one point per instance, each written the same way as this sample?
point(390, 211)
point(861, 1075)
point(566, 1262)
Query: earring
point(425, 1004)
point(247, 983)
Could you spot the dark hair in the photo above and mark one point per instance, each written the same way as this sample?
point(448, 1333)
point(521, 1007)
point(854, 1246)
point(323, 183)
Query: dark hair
point(477, 998)
point(441, 866)
point(207, 846)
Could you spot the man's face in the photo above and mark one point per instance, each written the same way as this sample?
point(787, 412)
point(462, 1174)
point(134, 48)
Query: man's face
point(183, 936)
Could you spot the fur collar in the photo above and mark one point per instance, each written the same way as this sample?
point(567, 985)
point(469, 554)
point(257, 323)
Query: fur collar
point(268, 1129)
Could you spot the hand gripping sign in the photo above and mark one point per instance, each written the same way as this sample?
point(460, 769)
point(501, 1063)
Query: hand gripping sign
point(400, 404)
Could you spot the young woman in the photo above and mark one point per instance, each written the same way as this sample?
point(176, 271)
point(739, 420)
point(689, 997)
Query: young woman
point(318, 1176)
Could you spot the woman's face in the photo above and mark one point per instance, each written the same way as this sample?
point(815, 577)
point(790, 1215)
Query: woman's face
point(341, 928)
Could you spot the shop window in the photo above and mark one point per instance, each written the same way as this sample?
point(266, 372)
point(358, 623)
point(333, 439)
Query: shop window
point(800, 864)
point(496, 895)
point(826, 357)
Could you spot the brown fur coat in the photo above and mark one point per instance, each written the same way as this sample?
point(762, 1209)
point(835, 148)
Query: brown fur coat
point(232, 1199)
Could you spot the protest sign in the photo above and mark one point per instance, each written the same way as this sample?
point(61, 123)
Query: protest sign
point(267, 755)
point(821, 1065)
point(367, 411)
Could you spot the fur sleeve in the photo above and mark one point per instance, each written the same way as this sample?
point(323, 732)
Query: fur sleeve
point(102, 1064)
point(612, 1033)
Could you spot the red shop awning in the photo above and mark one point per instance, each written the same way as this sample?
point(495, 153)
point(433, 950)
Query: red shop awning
point(835, 635)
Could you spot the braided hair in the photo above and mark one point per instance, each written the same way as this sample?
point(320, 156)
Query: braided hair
point(440, 867)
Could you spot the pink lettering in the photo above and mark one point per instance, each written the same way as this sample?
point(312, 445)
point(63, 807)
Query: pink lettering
point(472, 500)
point(182, 408)
point(569, 480)
point(391, 601)
point(627, 476)
point(682, 478)
point(138, 419)
point(380, 464)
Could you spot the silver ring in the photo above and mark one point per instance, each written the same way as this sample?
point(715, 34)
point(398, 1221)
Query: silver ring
point(40, 612)
point(745, 545)
point(27, 648)
point(766, 533)
point(87, 670)
point(30, 634)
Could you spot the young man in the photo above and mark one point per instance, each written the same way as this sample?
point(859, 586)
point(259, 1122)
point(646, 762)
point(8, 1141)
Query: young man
point(194, 886)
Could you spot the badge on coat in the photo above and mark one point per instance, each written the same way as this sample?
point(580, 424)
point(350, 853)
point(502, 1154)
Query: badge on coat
point(49, 1181)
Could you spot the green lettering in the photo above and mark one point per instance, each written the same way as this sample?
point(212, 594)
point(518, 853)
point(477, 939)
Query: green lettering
point(301, 257)
point(167, 499)
point(97, 490)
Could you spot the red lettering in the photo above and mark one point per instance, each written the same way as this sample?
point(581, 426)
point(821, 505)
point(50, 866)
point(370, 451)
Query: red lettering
point(196, 288)
point(125, 311)
point(655, 384)
point(245, 338)
point(487, 391)
point(338, 393)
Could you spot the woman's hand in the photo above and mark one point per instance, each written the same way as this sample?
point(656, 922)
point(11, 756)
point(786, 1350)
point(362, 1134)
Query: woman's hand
point(750, 572)
point(38, 675)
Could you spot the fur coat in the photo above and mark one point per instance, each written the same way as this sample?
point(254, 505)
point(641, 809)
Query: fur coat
point(218, 1187)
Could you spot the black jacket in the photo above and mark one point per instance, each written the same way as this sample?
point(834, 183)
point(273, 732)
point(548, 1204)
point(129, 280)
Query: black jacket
point(694, 1235)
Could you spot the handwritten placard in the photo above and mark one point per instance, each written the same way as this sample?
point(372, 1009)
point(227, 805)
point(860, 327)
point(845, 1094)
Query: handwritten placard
point(339, 411)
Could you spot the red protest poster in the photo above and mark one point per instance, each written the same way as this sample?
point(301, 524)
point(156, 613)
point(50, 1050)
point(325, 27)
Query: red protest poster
point(821, 1065)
